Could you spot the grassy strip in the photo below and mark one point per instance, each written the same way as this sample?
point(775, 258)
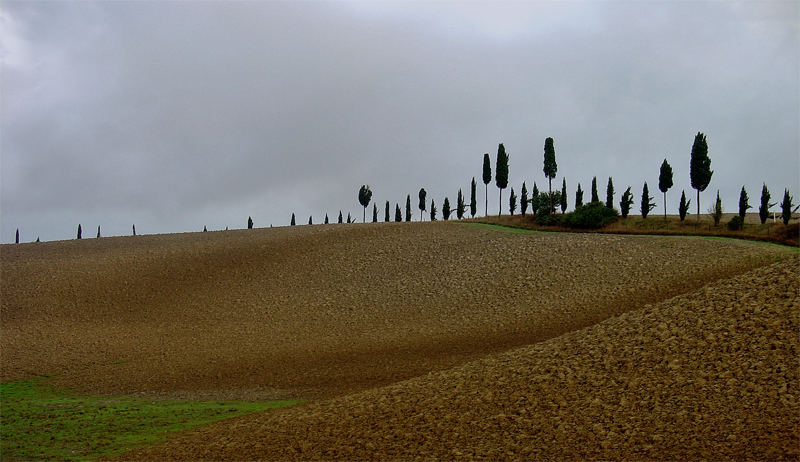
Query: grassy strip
point(38, 422)
point(510, 229)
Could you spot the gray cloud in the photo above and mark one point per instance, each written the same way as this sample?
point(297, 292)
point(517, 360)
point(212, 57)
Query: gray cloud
point(177, 115)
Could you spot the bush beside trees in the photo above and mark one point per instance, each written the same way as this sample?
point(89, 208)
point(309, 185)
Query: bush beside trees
point(593, 215)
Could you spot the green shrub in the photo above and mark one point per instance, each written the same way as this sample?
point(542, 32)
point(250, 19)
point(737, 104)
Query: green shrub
point(590, 216)
point(735, 224)
point(547, 219)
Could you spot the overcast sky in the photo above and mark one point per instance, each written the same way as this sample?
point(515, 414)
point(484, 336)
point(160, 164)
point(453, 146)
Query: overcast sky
point(176, 115)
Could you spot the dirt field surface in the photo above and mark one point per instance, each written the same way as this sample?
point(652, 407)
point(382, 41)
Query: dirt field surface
point(708, 375)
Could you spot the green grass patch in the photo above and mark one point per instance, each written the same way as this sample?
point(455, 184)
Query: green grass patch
point(39, 422)
point(509, 229)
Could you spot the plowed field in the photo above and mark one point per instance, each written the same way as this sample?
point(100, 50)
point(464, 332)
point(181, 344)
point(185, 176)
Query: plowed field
point(318, 312)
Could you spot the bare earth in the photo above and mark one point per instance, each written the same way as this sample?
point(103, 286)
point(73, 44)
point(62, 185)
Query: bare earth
point(326, 312)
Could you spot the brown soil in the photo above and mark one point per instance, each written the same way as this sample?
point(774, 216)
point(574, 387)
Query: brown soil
point(708, 375)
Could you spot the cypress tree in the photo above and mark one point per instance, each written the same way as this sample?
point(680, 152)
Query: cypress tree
point(647, 203)
point(763, 210)
point(433, 211)
point(550, 167)
point(625, 202)
point(37, 239)
point(446, 209)
point(535, 199)
point(326, 218)
point(460, 205)
point(16, 237)
point(665, 182)
point(80, 232)
point(340, 216)
point(134, 230)
point(364, 196)
point(578, 196)
point(717, 210)
point(349, 219)
point(743, 205)
point(487, 178)
point(595, 197)
point(205, 230)
point(610, 194)
point(512, 202)
point(523, 201)
point(98, 231)
point(786, 207)
point(310, 221)
point(293, 221)
point(472, 204)
point(563, 195)
point(249, 222)
point(408, 207)
point(422, 195)
point(700, 167)
point(386, 213)
point(398, 217)
point(501, 173)
point(683, 207)
point(374, 212)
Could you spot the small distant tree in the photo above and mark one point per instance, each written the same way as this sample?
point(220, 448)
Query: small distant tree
point(595, 197)
point(37, 239)
point(523, 200)
point(249, 222)
point(80, 232)
point(134, 230)
point(98, 231)
point(665, 182)
point(535, 199)
point(578, 196)
point(460, 205)
point(326, 218)
point(563, 195)
point(446, 209)
point(487, 178)
point(472, 203)
point(205, 230)
point(501, 173)
point(293, 220)
point(364, 196)
point(408, 207)
point(340, 217)
point(310, 221)
point(550, 167)
point(610, 194)
point(647, 203)
point(786, 207)
point(374, 212)
point(512, 202)
point(625, 202)
point(398, 216)
point(386, 213)
point(763, 210)
point(743, 205)
point(433, 211)
point(683, 207)
point(16, 237)
point(422, 206)
point(700, 167)
point(349, 218)
point(716, 210)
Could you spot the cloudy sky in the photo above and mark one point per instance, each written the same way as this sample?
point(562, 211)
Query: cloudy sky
point(175, 115)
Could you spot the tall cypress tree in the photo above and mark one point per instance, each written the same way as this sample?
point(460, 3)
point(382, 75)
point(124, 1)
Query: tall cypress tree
point(563, 195)
point(700, 167)
point(578, 196)
point(386, 213)
point(625, 202)
point(310, 221)
point(134, 230)
point(472, 204)
point(364, 196)
point(340, 216)
point(349, 219)
point(249, 222)
point(610, 194)
point(501, 173)
point(550, 167)
point(743, 205)
point(433, 210)
point(205, 230)
point(487, 178)
point(326, 218)
point(717, 210)
point(786, 207)
point(460, 205)
point(292, 223)
point(446, 209)
point(647, 203)
point(523, 200)
point(16, 237)
point(595, 197)
point(422, 206)
point(98, 231)
point(512, 202)
point(683, 207)
point(665, 182)
point(374, 212)
point(535, 199)
point(763, 210)
point(398, 216)
point(80, 232)
point(408, 207)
